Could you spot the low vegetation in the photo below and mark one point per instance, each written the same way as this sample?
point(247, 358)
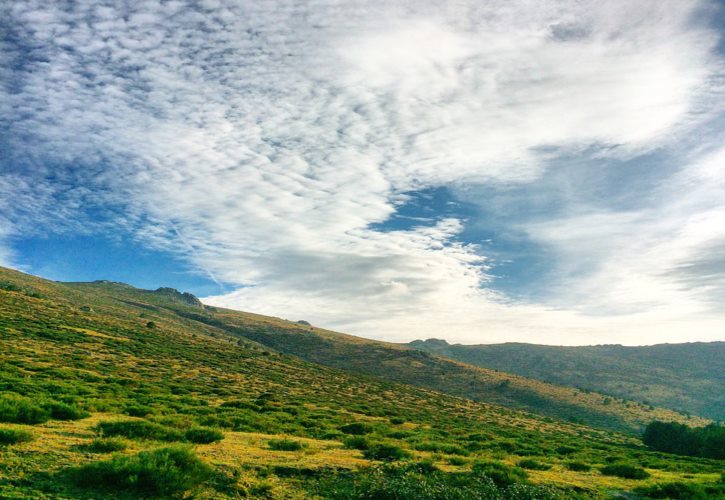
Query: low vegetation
point(196, 407)
point(671, 437)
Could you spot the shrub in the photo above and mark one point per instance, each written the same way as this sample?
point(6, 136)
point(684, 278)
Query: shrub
point(138, 410)
point(578, 466)
point(674, 491)
point(139, 429)
point(385, 452)
point(203, 435)
point(533, 464)
point(20, 410)
point(397, 420)
point(162, 472)
point(14, 436)
point(566, 450)
point(64, 411)
point(625, 471)
point(285, 445)
point(356, 429)
point(356, 443)
point(501, 474)
point(105, 445)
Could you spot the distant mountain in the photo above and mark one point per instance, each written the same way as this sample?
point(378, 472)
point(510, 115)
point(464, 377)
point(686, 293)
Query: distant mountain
point(686, 377)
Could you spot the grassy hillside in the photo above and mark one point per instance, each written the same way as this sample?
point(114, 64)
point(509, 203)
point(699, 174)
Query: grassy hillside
point(687, 377)
point(111, 392)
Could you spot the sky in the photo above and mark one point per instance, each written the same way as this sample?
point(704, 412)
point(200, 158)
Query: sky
point(481, 171)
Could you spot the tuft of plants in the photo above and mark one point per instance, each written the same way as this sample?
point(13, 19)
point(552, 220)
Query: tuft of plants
point(578, 466)
point(65, 411)
point(532, 464)
point(285, 445)
point(385, 452)
point(500, 473)
point(105, 445)
point(356, 429)
point(625, 471)
point(203, 435)
point(138, 410)
point(356, 443)
point(163, 472)
point(138, 429)
point(675, 491)
point(14, 436)
point(20, 410)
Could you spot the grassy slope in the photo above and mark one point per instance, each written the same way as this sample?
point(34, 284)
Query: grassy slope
point(90, 345)
point(410, 366)
point(687, 377)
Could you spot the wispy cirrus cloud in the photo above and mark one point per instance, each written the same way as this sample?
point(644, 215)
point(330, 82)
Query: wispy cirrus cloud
point(265, 142)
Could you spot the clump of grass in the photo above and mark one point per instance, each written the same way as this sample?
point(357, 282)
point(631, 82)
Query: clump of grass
point(356, 429)
point(285, 445)
point(532, 464)
point(397, 420)
point(20, 410)
point(138, 410)
point(65, 411)
point(501, 474)
point(203, 435)
point(14, 436)
point(139, 429)
point(578, 466)
point(625, 471)
point(385, 452)
point(356, 443)
point(163, 472)
point(105, 445)
point(674, 491)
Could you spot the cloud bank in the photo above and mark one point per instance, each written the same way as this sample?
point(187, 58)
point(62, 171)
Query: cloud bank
point(266, 142)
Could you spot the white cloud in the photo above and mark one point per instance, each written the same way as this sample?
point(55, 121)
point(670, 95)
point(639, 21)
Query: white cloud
point(262, 140)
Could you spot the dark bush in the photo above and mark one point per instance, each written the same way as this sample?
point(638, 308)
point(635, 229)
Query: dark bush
point(397, 421)
point(163, 472)
point(578, 466)
point(625, 471)
point(671, 437)
point(285, 445)
point(501, 474)
point(674, 491)
point(20, 410)
point(356, 443)
point(203, 435)
point(105, 445)
point(356, 429)
point(138, 410)
point(566, 450)
point(385, 452)
point(533, 464)
point(64, 411)
point(14, 436)
point(139, 429)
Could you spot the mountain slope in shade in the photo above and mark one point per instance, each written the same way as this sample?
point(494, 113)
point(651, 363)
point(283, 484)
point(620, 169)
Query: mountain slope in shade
point(687, 377)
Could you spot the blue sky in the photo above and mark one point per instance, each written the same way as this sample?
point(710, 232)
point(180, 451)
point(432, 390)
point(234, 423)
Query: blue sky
point(480, 171)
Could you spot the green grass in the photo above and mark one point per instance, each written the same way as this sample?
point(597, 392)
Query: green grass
point(625, 471)
point(163, 472)
point(200, 372)
point(14, 436)
point(285, 445)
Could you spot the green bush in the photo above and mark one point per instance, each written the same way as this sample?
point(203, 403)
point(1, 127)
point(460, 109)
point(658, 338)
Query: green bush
point(500, 473)
point(674, 491)
point(356, 443)
point(578, 466)
point(356, 429)
point(566, 450)
point(385, 452)
point(105, 445)
point(162, 472)
point(203, 435)
point(397, 420)
point(625, 471)
point(139, 429)
point(285, 445)
point(533, 464)
point(14, 436)
point(138, 410)
point(64, 411)
point(20, 410)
